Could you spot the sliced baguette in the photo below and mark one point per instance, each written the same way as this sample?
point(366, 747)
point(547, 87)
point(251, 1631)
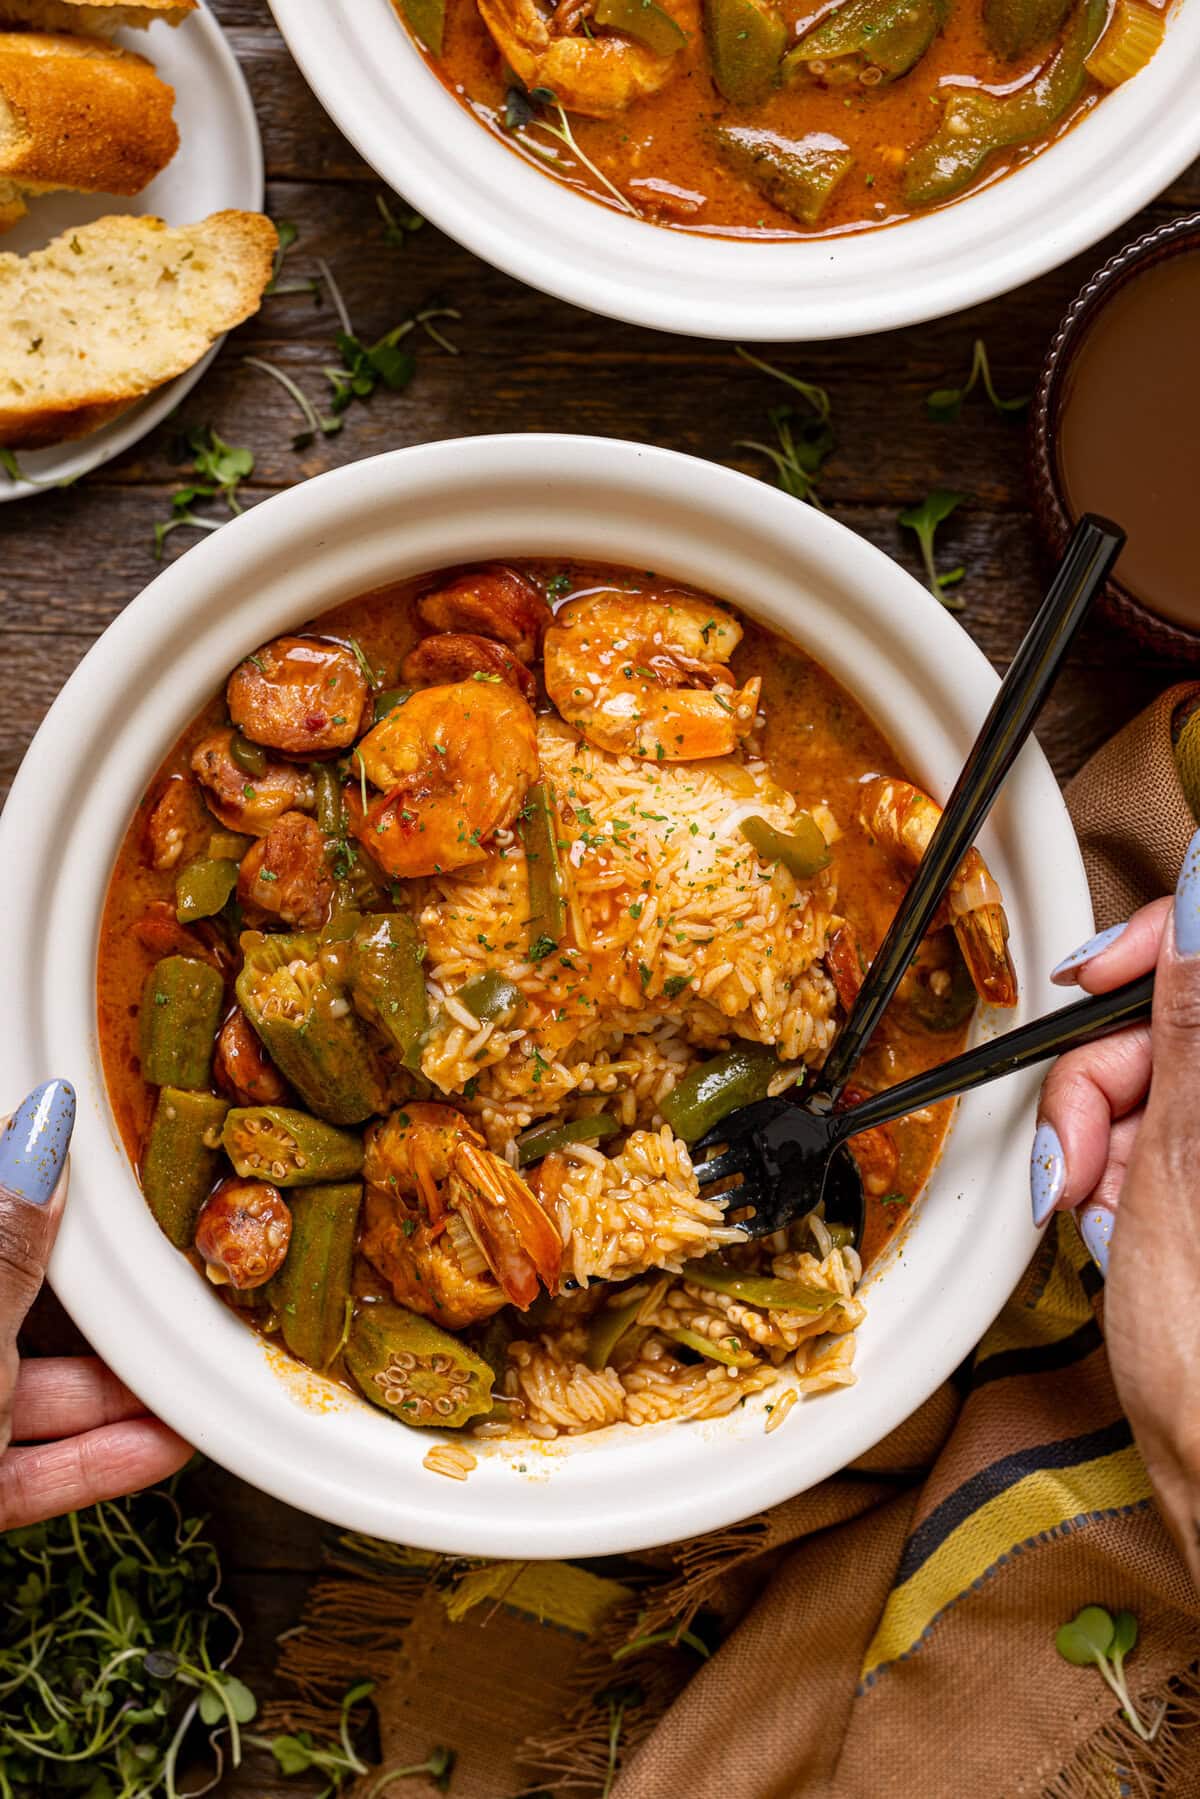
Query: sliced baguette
point(93, 16)
point(78, 113)
point(108, 312)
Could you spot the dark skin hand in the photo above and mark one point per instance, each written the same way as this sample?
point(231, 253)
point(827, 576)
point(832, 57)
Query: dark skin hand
point(70, 1432)
point(1126, 1112)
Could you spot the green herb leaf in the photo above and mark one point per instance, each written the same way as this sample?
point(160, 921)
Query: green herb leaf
point(397, 230)
point(945, 403)
point(292, 1755)
point(804, 440)
point(1087, 1638)
point(924, 519)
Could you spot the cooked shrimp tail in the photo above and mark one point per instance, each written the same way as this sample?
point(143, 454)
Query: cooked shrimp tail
point(902, 820)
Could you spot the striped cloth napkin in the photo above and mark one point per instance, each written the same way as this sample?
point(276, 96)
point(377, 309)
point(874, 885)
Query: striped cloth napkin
point(890, 1632)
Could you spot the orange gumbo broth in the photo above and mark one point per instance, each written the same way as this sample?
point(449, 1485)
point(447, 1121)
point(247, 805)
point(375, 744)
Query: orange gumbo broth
point(864, 134)
point(819, 744)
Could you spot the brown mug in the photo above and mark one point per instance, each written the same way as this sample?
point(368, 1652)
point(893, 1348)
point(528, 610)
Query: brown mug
point(1054, 520)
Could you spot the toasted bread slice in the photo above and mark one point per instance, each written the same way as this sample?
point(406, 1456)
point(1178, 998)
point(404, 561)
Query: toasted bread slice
point(106, 313)
point(78, 113)
point(96, 17)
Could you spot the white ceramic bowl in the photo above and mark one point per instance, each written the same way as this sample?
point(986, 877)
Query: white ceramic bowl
point(365, 70)
point(141, 1304)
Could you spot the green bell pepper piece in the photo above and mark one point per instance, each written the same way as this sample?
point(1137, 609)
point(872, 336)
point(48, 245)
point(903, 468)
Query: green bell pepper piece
point(746, 39)
point(1014, 26)
point(180, 1012)
point(427, 21)
point(710, 1092)
point(757, 1289)
point(387, 980)
point(890, 36)
point(250, 757)
point(203, 886)
point(289, 1148)
point(413, 1369)
point(392, 697)
point(729, 1351)
point(803, 850)
point(644, 20)
point(544, 864)
point(796, 174)
point(544, 1139)
point(311, 1293)
point(181, 1159)
point(323, 1050)
point(974, 122)
point(491, 997)
point(605, 1331)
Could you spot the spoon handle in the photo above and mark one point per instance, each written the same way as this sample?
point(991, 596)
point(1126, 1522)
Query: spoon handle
point(1094, 546)
point(1060, 1031)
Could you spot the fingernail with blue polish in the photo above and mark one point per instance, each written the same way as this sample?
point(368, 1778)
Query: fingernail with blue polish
point(34, 1145)
point(1087, 952)
point(1187, 901)
point(1095, 1227)
point(1047, 1172)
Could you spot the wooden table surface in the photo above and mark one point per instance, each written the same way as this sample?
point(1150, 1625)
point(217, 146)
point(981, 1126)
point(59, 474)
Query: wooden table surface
point(70, 560)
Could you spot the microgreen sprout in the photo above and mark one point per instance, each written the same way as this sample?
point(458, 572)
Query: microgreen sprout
point(618, 1700)
point(520, 118)
point(113, 1645)
point(397, 230)
point(315, 425)
point(288, 236)
point(438, 1765)
point(301, 1754)
point(804, 441)
point(220, 469)
point(12, 468)
point(924, 520)
point(945, 403)
point(1094, 1638)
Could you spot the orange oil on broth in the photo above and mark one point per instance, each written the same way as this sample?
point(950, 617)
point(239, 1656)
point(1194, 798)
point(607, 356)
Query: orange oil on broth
point(820, 745)
point(667, 139)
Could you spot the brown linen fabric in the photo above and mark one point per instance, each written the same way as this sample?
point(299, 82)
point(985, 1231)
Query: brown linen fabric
point(890, 1632)
point(1131, 811)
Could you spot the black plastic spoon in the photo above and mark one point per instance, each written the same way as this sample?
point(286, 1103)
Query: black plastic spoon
point(786, 1153)
point(1090, 554)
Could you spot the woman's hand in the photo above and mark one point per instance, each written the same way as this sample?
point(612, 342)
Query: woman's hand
point(1119, 1140)
point(77, 1434)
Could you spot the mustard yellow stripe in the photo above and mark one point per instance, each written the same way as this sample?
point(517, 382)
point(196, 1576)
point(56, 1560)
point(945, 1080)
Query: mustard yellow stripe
point(551, 1592)
point(1041, 1502)
point(1058, 1312)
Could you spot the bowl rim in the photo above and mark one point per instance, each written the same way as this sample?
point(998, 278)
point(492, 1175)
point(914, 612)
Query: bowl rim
point(377, 87)
point(1051, 512)
point(141, 1304)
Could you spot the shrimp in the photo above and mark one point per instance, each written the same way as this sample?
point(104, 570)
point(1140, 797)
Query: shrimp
point(454, 1230)
point(495, 601)
point(453, 766)
point(599, 73)
point(462, 656)
point(902, 820)
point(244, 802)
point(646, 677)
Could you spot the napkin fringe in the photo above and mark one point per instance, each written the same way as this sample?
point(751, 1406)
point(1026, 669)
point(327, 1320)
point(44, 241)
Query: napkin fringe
point(1116, 1760)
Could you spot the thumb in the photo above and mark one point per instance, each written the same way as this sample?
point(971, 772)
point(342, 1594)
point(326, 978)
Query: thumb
point(33, 1156)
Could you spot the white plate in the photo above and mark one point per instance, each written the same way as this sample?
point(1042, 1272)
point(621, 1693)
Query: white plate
point(141, 1303)
point(218, 165)
point(364, 68)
